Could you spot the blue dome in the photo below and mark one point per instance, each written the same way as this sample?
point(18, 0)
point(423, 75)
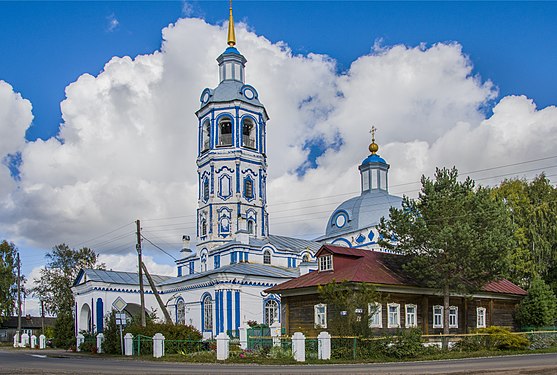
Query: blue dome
point(374, 158)
point(231, 50)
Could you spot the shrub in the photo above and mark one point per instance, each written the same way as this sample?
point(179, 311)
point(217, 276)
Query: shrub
point(496, 338)
point(111, 343)
point(539, 307)
point(406, 344)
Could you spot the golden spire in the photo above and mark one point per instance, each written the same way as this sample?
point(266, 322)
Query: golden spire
point(373, 147)
point(231, 33)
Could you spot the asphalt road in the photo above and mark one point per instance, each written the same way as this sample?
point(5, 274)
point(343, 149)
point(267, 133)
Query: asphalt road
point(56, 362)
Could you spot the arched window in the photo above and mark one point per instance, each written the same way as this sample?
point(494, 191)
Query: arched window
point(203, 262)
point(181, 312)
point(251, 227)
point(205, 189)
point(207, 313)
point(271, 312)
point(266, 257)
point(206, 131)
point(203, 227)
point(248, 133)
point(305, 258)
point(248, 188)
point(225, 132)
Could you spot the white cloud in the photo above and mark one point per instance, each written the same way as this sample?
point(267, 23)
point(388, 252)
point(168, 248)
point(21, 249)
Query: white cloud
point(112, 23)
point(127, 146)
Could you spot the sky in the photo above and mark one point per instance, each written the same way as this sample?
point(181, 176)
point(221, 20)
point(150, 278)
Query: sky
point(97, 102)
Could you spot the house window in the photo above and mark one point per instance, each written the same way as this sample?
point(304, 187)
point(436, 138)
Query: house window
point(375, 315)
point(206, 135)
point(271, 311)
point(437, 316)
point(411, 316)
point(248, 188)
point(180, 312)
point(266, 257)
point(480, 317)
point(225, 132)
point(207, 313)
point(325, 263)
point(394, 315)
point(248, 133)
point(320, 315)
point(453, 317)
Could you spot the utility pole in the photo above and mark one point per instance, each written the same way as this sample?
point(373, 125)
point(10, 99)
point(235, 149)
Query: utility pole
point(42, 316)
point(139, 263)
point(18, 295)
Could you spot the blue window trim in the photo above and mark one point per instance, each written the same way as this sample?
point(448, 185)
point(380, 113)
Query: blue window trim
point(272, 297)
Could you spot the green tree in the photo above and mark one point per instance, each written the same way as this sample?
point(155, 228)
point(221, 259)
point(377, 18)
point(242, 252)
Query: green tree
point(534, 214)
point(539, 307)
point(8, 279)
point(349, 307)
point(455, 237)
point(54, 286)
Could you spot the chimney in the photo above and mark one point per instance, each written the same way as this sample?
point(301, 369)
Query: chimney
point(186, 244)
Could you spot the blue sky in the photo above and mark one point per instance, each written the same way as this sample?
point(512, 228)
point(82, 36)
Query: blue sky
point(47, 45)
point(67, 193)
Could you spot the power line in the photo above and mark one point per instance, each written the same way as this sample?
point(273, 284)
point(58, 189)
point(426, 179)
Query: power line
point(158, 247)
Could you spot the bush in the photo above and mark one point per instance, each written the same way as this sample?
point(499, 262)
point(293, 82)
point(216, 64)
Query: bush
point(406, 344)
point(496, 338)
point(542, 340)
point(111, 343)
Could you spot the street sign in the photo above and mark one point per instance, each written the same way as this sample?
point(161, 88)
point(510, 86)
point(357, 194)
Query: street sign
point(121, 318)
point(119, 304)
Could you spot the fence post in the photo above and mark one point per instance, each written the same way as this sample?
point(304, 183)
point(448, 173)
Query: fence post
point(100, 339)
point(324, 346)
point(33, 341)
point(243, 336)
point(16, 340)
point(222, 346)
point(79, 340)
point(128, 344)
point(158, 345)
point(24, 340)
point(275, 333)
point(299, 347)
point(42, 341)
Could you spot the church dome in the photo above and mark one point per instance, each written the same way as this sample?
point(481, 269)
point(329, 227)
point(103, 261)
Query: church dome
point(360, 212)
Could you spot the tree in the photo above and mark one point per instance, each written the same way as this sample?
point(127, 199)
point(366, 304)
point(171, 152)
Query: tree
point(534, 213)
point(350, 306)
point(8, 279)
point(539, 307)
point(54, 286)
point(454, 237)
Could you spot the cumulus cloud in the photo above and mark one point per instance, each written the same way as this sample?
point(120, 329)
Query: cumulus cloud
point(127, 145)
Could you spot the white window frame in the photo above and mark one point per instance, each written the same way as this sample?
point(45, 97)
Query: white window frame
point(376, 318)
point(393, 318)
point(320, 317)
point(440, 324)
point(453, 314)
point(414, 315)
point(271, 311)
point(326, 263)
point(481, 317)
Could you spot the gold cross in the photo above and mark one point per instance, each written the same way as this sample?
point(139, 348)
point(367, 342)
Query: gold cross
point(372, 131)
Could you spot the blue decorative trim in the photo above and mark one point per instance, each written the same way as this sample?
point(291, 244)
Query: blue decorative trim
point(237, 308)
point(342, 240)
point(247, 180)
point(224, 167)
point(100, 315)
point(250, 171)
point(221, 310)
point(229, 310)
point(243, 160)
point(224, 195)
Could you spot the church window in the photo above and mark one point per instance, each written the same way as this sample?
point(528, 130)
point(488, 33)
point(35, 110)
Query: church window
point(248, 133)
point(411, 316)
point(180, 312)
point(233, 257)
point(320, 315)
point(480, 317)
point(271, 312)
point(225, 132)
point(228, 71)
point(437, 316)
point(216, 261)
point(207, 313)
point(237, 72)
point(305, 258)
point(375, 315)
point(248, 188)
point(203, 227)
point(325, 263)
point(205, 189)
point(374, 173)
point(251, 227)
point(206, 135)
point(203, 262)
point(453, 317)
point(365, 180)
point(266, 257)
point(383, 180)
point(192, 267)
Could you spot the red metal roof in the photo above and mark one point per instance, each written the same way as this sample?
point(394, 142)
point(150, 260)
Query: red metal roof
point(367, 266)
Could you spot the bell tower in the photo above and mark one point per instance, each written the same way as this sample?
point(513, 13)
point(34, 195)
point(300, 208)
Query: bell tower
point(231, 160)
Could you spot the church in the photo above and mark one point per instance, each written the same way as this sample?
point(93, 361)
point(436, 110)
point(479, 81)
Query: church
point(221, 283)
